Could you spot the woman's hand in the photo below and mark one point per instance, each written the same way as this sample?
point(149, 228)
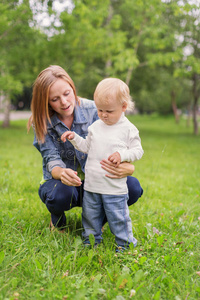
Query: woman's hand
point(123, 170)
point(66, 176)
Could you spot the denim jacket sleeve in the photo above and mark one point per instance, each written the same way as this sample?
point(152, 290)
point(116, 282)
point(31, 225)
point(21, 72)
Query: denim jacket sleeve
point(56, 153)
point(50, 153)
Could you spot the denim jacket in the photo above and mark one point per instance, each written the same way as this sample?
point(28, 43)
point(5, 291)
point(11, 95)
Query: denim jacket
point(54, 152)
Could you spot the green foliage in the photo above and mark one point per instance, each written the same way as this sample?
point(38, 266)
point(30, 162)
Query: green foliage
point(152, 46)
point(38, 264)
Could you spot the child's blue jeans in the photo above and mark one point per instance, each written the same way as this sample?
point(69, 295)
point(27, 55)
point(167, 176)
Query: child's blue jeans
point(115, 208)
point(59, 197)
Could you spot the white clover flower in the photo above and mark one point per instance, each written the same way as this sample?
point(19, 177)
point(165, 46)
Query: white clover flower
point(133, 292)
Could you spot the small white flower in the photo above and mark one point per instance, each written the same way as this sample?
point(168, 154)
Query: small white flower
point(102, 291)
point(133, 292)
point(191, 253)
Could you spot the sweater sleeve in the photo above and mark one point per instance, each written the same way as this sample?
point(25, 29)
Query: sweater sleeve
point(134, 151)
point(80, 143)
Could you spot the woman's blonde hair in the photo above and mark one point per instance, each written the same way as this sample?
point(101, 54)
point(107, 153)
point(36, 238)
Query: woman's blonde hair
point(115, 88)
point(41, 111)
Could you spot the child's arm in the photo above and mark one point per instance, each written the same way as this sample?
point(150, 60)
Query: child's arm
point(134, 151)
point(67, 135)
point(77, 141)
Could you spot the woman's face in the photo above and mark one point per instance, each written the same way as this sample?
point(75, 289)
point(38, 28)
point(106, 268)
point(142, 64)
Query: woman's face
point(62, 99)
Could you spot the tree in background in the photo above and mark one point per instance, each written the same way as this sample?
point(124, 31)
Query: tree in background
point(143, 43)
point(189, 67)
point(22, 50)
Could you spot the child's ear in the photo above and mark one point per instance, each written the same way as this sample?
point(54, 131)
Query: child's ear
point(124, 106)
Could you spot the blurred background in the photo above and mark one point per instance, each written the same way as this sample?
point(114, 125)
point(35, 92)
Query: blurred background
point(152, 45)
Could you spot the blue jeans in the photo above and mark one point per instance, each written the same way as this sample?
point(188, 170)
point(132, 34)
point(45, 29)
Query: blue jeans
point(115, 207)
point(59, 197)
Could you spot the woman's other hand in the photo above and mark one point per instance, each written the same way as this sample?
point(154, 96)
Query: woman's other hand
point(66, 176)
point(123, 170)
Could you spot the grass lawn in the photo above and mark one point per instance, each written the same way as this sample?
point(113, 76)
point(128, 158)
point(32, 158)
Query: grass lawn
point(38, 264)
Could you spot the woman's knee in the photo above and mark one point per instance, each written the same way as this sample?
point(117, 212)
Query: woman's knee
point(135, 190)
point(57, 196)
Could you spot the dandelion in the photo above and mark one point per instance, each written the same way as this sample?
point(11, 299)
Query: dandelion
point(132, 293)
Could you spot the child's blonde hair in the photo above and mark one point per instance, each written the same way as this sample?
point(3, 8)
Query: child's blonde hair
point(115, 88)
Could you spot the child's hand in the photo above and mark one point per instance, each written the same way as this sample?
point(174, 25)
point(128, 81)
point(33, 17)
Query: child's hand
point(115, 158)
point(67, 135)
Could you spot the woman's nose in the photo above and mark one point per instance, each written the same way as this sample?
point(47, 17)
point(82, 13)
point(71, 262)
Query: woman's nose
point(63, 99)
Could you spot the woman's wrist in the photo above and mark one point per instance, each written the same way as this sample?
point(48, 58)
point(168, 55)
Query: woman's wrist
point(56, 172)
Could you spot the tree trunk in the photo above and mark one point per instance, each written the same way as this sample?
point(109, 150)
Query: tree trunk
point(189, 115)
point(195, 106)
point(174, 107)
point(129, 75)
point(6, 121)
point(108, 62)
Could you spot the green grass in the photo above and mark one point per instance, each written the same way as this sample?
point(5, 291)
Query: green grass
point(38, 264)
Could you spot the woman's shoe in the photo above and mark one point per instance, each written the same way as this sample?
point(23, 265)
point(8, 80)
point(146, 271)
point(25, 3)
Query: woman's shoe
point(53, 228)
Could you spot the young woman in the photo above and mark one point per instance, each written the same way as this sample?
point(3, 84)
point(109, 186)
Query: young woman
point(56, 108)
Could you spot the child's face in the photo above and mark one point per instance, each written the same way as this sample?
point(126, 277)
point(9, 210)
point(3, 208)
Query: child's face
point(110, 111)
